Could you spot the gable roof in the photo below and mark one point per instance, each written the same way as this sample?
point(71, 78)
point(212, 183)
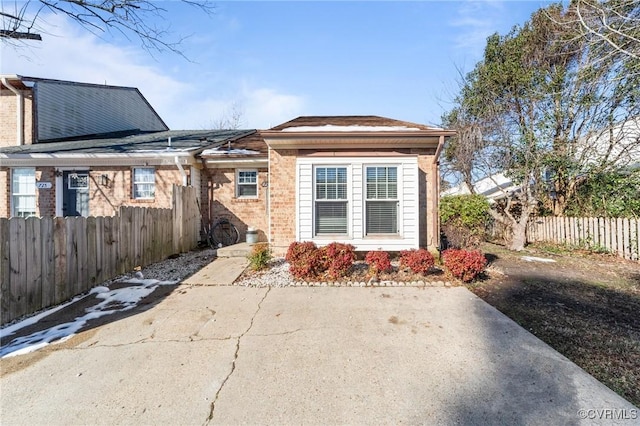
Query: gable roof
point(363, 132)
point(354, 121)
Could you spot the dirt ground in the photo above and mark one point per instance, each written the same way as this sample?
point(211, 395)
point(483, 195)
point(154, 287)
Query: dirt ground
point(586, 306)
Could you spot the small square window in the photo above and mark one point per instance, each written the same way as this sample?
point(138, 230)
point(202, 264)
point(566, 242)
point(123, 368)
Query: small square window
point(247, 184)
point(144, 183)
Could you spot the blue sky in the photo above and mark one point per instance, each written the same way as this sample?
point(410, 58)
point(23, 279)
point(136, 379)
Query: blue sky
point(278, 60)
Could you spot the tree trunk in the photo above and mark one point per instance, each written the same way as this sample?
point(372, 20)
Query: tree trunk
point(519, 235)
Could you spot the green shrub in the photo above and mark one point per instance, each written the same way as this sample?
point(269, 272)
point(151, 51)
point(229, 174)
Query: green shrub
point(260, 256)
point(463, 219)
point(465, 265)
point(419, 261)
point(378, 261)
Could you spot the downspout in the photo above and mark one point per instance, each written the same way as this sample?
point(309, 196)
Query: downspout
point(19, 109)
point(436, 189)
point(181, 169)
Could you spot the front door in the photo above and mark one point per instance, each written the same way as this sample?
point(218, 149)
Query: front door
point(75, 193)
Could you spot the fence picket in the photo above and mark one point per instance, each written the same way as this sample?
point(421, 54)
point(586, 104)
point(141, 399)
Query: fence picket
point(45, 261)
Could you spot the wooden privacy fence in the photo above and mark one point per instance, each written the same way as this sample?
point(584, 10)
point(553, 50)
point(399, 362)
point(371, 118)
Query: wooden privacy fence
point(45, 261)
point(617, 235)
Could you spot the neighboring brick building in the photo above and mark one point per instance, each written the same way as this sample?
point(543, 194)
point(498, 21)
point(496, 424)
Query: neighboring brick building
point(75, 149)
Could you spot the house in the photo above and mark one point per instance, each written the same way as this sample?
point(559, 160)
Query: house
point(494, 188)
point(364, 180)
point(76, 149)
point(71, 148)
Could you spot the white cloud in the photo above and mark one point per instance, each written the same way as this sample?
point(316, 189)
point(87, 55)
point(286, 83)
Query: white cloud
point(475, 21)
point(194, 99)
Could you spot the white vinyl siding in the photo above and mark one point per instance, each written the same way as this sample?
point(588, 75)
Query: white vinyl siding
point(406, 198)
point(144, 183)
point(23, 192)
point(247, 183)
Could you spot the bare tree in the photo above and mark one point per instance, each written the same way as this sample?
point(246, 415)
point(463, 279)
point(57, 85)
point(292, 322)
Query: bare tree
point(232, 118)
point(615, 23)
point(25, 20)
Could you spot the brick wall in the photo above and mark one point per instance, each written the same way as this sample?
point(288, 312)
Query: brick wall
point(106, 200)
point(282, 188)
point(103, 200)
point(8, 105)
point(46, 198)
point(428, 191)
point(242, 212)
point(5, 190)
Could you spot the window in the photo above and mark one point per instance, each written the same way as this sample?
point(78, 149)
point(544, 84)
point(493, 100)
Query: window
point(247, 184)
point(331, 200)
point(23, 191)
point(381, 200)
point(144, 183)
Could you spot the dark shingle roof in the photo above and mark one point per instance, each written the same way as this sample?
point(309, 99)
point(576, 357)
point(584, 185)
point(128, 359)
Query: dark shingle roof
point(254, 143)
point(181, 140)
point(348, 120)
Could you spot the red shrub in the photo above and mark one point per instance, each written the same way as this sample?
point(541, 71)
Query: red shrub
point(304, 260)
point(419, 261)
point(378, 261)
point(307, 261)
point(338, 259)
point(464, 264)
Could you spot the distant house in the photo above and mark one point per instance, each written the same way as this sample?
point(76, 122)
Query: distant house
point(78, 149)
point(493, 187)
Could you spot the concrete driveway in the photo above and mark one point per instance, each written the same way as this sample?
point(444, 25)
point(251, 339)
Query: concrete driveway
point(230, 355)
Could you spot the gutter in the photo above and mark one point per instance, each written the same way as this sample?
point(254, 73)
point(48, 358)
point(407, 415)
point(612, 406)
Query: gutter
point(19, 109)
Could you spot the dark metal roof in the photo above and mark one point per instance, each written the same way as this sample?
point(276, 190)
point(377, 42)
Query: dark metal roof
point(192, 141)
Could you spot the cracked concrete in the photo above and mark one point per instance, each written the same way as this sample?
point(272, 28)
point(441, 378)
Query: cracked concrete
point(235, 357)
point(232, 355)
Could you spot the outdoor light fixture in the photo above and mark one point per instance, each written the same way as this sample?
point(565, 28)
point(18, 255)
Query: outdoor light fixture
point(104, 180)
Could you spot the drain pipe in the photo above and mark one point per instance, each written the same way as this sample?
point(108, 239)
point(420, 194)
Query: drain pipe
point(182, 172)
point(19, 114)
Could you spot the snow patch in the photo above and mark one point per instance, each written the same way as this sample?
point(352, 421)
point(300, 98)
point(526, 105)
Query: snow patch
point(354, 128)
point(537, 259)
point(217, 151)
point(117, 300)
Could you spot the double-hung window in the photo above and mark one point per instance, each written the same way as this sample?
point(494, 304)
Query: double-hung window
point(144, 183)
point(381, 200)
point(247, 184)
point(331, 201)
point(23, 191)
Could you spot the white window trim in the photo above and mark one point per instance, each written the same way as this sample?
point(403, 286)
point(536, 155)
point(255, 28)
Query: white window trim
point(12, 194)
point(133, 183)
point(398, 200)
point(349, 201)
point(237, 186)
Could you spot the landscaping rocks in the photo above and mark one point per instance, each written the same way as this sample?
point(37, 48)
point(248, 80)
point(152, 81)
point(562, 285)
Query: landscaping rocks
point(278, 276)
